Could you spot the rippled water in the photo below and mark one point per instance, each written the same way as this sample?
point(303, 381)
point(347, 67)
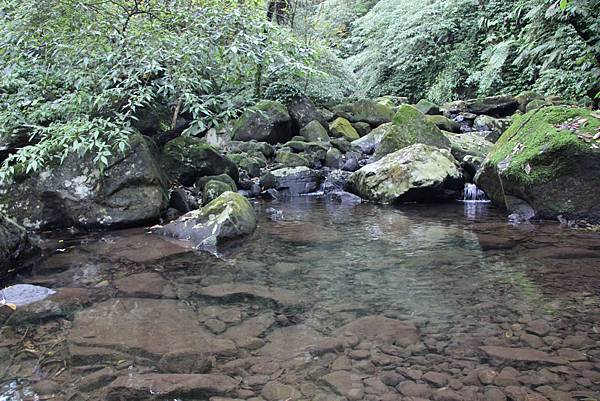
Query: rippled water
point(457, 274)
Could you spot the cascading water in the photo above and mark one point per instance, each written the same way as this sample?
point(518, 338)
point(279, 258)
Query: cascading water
point(473, 194)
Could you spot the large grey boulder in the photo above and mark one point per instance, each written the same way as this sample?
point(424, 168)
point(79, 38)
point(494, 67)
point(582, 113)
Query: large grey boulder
point(292, 180)
point(130, 190)
point(268, 121)
point(418, 173)
point(228, 216)
point(365, 110)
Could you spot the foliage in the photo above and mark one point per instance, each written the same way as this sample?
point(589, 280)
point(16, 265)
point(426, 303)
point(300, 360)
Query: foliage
point(79, 74)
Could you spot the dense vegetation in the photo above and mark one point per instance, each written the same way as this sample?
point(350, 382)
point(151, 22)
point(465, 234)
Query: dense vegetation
point(80, 75)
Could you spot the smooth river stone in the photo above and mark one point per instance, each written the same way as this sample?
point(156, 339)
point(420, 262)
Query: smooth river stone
point(277, 295)
point(382, 330)
point(290, 342)
point(145, 327)
point(521, 355)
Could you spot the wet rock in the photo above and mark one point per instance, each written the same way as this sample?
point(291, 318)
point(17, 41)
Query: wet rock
point(228, 216)
point(46, 388)
point(143, 326)
point(14, 244)
point(446, 394)
point(341, 128)
point(489, 124)
point(507, 377)
point(239, 290)
point(382, 330)
point(571, 355)
point(342, 363)
point(314, 132)
point(520, 355)
point(292, 180)
point(411, 389)
point(276, 391)
point(334, 158)
point(487, 375)
point(131, 190)
point(538, 327)
point(465, 145)
point(366, 110)
point(60, 303)
point(415, 173)
point(498, 106)
point(345, 384)
point(96, 380)
point(162, 386)
point(436, 378)
point(253, 327)
point(427, 107)
point(290, 342)
point(445, 124)
point(373, 385)
point(185, 361)
point(494, 394)
point(345, 198)
point(266, 122)
point(145, 285)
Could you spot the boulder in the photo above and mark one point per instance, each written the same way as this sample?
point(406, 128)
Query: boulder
point(470, 150)
point(213, 189)
point(427, 107)
point(416, 173)
point(292, 180)
point(248, 163)
point(486, 123)
point(314, 132)
point(497, 106)
point(228, 216)
point(268, 121)
point(303, 111)
point(253, 148)
point(362, 128)
point(365, 110)
point(549, 159)
point(14, 244)
point(444, 123)
point(525, 98)
point(368, 143)
point(289, 159)
point(334, 158)
point(186, 158)
point(342, 128)
point(409, 127)
point(130, 190)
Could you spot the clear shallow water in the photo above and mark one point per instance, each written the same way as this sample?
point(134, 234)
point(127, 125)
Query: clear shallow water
point(455, 277)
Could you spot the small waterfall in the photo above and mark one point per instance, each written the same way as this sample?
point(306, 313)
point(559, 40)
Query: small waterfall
point(473, 194)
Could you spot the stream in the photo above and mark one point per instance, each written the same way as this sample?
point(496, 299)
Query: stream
point(323, 302)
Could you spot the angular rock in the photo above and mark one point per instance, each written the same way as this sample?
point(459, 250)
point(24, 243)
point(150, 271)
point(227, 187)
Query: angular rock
point(168, 386)
point(228, 216)
point(417, 173)
point(444, 123)
point(275, 391)
point(365, 110)
point(497, 106)
point(369, 143)
point(427, 107)
point(410, 127)
point(145, 285)
point(131, 190)
point(268, 122)
point(314, 131)
point(545, 161)
point(292, 180)
point(302, 112)
point(185, 159)
point(342, 128)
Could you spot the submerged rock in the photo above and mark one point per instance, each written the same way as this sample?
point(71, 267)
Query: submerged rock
point(417, 173)
point(268, 122)
point(382, 330)
point(409, 127)
point(131, 190)
point(292, 180)
point(233, 290)
point(185, 159)
point(549, 159)
point(228, 216)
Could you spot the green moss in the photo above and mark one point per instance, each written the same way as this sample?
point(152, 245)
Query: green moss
point(342, 128)
point(289, 159)
point(533, 140)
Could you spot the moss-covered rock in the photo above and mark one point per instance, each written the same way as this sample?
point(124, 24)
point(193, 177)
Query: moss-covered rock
point(228, 216)
point(130, 190)
point(366, 110)
point(368, 143)
point(444, 123)
point(362, 128)
point(418, 173)
point(334, 158)
point(409, 127)
point(214, 188)
point(535, 104)
point(485, 123)
point(470, 150)
point(14, 244)
point(296, 146)
point(268, 121)
point(427, 107)
point(496, 106)
point(341, 127)
point(290, 159)
point(303, 111)
point(314, 131)
point(248, 163)
point(185, 159)
point(224, 178)
point(525, 98)
point(549, 159)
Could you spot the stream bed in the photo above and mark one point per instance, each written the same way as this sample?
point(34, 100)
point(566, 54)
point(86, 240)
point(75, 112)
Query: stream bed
point(323, 302)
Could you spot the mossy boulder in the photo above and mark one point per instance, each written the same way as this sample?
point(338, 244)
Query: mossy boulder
point(495, 106)
point(334, 158)
point(248, 163)
point(535, 104)
point(368, 143)
point(470, 150)
point(292, 180)
point(427, 107)
point(485, 123)
point(302, 112)
point(224, 178)
point(409, 127)
point(131, 190)
point(314, 131)
point(365, 110)
point(258, 149)
point(268, 121)
point(290, 159)
point(14, 244)
point(228, 216)
point(525, 98)
point(362, 128)
point(444, 123)
point(418, 173)
point(342, 128)
point(213, 189)
point(549, 159)
point(186, 158)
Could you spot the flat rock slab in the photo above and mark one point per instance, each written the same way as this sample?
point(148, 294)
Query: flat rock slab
point(145, 285)
point(383, 330)
point(253, 327)
point(229, 290)
point(521, 355)
point(289, 342)
point(345, 384)
point(162, 386)
point(143, 326)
